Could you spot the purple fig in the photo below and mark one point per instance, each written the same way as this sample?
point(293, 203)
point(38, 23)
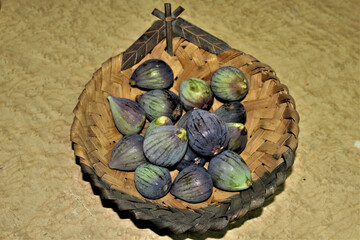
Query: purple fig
point(208, 134)
point(128, 153)
point(238, 137)
point(193, 184)
point(190, 158)
point(152, 181)
point(232, 112)
point(165, 145)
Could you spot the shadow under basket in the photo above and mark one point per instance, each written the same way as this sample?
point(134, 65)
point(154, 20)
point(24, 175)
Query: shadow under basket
point(272, 124)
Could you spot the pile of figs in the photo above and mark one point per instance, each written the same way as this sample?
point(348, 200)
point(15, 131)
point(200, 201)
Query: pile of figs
point(204, 147)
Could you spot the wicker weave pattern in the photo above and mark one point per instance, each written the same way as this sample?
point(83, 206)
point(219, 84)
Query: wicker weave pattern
point(272, 128)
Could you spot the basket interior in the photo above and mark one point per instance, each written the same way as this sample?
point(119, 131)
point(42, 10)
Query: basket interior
point(272, 121)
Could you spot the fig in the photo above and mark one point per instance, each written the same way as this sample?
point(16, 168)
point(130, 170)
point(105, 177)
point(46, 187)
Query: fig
point(157, 103)
point(190, 158)
point(238, 137)
point(232, 112)
point(183, 120)
point(193, 184)
point(160, 121)
point(152, 181)
point(195, 93)
point(165, 145)
point(152, 74)
point(128, 153)
point(208, 134)
point(229, 83)
point(229, 172)
point(128, 116)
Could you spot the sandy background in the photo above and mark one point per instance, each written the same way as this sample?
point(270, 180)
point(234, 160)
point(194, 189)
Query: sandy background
point(50, 49)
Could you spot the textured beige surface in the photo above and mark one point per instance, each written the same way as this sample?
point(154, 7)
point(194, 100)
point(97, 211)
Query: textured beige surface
point(50, 49)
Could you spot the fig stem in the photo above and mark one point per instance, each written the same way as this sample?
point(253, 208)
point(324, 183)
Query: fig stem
point(181, 133)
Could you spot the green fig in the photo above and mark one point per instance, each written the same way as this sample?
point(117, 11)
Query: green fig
point(229, 84)
point(160, 121)
point(229, 172)
point(128, 115)
point(157, 103)
point(152, 74)
point(195, 93)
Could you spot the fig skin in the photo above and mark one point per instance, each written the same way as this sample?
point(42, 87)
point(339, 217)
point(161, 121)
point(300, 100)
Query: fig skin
point(193, 184)
point(160, 121)
point(165, 145)
point(152, 74)
point(196, 93)
point(128, 115)
point(190, 158)
point(183, 120)
point(128, 153)
point(229, 83)
point(232, 112)
point(208, 134)
point(157, 103)
point(229, 172)
point(152, 181)
point(238, 137)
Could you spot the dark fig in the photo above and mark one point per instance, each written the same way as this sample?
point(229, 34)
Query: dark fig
point(208, 134)
point(165, 145)
point(160, 121)
point(195, 93)
point(152, 74)
point(193, 184)
point(229, 172)
point(128, 153)
point(190, 158)
point(183, 120)
point(152, 181)
point(229, 84)
point(128, 116)
point(232, 112)
point(238, 137)
point(157, 103)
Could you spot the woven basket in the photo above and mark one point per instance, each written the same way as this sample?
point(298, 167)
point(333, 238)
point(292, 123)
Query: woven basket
point(272, 124)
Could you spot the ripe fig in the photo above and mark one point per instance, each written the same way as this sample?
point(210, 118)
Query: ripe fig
point(195, 93)
point(208, 134)
point(165, 145)
point(183, 120)
point(160, 121)
point(190, 158)
point(157, 103)
point(229, 84)
point(193, 184)
point(152, 74)
point(238, 137)
point(128, 115)
point(152, 181)
point(232, 112)
point(229, 172)
point(128, 153)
